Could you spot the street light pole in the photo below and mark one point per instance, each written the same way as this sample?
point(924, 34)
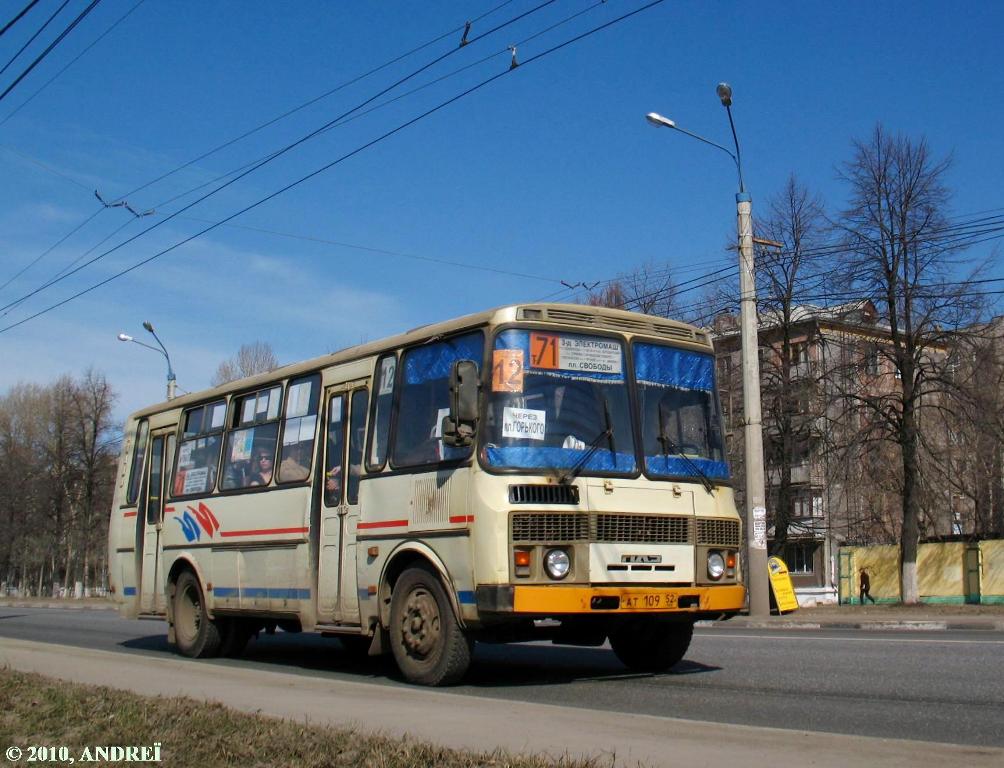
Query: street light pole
point(756, 508)
point(171, 381)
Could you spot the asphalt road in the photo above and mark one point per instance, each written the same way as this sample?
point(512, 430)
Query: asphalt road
point(929, 686)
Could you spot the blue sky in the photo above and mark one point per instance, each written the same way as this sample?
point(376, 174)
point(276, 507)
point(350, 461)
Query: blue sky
point(549, 173)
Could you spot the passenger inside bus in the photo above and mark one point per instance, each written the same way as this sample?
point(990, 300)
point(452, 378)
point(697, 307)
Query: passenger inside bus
point(261, 467)
point(295, 463)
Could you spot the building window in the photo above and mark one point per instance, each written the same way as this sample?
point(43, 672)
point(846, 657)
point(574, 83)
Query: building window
point(799, 557)
point(799, 352)
point(807, 504)
point(872, 360)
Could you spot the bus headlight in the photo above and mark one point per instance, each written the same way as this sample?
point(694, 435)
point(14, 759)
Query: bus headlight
point(716, 565)
point(557, 564)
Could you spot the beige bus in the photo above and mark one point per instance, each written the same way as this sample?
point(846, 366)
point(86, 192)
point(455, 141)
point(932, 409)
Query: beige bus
point(540, 471)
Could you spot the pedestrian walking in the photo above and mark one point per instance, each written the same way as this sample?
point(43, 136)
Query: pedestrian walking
point(866, 584)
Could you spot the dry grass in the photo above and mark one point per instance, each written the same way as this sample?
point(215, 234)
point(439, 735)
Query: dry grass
point(41, 711)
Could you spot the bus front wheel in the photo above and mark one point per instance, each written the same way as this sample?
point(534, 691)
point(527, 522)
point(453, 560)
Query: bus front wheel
point(195, 634)
point(648, 645)
point(428, 644)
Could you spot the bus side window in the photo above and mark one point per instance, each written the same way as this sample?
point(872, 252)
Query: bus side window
point(425, 400)
point(382, 404)
point(357, 433)
point(199, 450)
point(138, 451)
point(249, 457)
point(334, 449)
point(298, 429)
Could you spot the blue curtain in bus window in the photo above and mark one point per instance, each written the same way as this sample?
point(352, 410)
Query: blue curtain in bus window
point(671, 367)
point(601, 460)
point(434, 362)
point(678, 369)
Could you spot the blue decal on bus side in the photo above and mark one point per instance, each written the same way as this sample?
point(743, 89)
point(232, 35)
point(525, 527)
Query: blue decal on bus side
point(290, 593)
point(129, 591)
point(466, 597)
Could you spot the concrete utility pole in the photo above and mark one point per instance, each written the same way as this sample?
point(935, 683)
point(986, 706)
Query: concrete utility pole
point(756, 507)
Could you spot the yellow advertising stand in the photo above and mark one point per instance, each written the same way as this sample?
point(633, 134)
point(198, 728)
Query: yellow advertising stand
point(781, 586)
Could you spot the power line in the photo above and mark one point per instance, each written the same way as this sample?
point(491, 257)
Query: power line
point(314, 100)
point(31, 39)
point(344, 157)
point(72, 61)
point(49, 48)
point(17, 18)
point(277, 154)
point(261, 161)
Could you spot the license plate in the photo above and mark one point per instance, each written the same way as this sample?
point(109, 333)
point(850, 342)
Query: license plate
point(648, 601)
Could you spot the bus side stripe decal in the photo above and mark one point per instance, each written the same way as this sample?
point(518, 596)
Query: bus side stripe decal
point(462, 519)
point(382, 524)
point(130, 514)
point(263, 531)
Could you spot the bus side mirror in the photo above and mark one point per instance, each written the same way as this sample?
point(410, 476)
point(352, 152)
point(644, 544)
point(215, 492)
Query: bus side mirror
point(461, 425)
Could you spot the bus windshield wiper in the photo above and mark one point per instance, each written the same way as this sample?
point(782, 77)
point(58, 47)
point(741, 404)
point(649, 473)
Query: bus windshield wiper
point(594, 444)
point(667, 445)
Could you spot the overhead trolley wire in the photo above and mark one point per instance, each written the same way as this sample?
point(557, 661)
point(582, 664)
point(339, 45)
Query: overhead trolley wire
point(333, 163)
point(48, 49)
point(72, 61)
point(228, 143)
point(17, 18)
point(31, 39)
point(281, 152)
point(310, 102)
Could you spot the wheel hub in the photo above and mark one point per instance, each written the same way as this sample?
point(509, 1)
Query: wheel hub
point(420, 626)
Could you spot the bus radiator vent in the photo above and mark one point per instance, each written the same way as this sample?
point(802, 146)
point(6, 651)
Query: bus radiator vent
point(543, 494)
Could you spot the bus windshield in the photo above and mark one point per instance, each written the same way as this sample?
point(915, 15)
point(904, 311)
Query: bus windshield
point(559, 401)
point(681, 431)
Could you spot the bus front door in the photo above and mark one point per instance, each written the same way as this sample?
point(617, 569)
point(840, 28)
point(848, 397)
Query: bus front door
point(337, 598)
point(151, 517)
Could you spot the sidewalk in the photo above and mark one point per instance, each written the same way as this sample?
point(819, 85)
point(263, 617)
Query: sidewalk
point(880, 617)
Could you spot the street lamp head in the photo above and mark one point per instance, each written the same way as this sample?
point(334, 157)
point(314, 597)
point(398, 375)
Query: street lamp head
point(124, 337)
point(148, 325)
point(659, 121)
point(725, 94)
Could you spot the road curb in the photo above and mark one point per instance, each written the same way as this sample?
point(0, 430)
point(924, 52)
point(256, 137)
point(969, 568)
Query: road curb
point(918, 625)
point(68, 605)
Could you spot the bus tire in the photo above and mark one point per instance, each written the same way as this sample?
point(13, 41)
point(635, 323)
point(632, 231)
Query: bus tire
point(651, 645)
point(195, 634)
point(428, 644)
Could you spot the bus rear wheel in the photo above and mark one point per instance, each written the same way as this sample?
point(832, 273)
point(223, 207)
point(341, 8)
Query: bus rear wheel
point(651, 645)
point(196, 635)
point(428, 644)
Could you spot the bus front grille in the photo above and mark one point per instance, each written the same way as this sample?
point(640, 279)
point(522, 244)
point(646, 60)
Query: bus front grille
point(542, 526)
point(528, 527)
point(720, 533)
point(649, 529)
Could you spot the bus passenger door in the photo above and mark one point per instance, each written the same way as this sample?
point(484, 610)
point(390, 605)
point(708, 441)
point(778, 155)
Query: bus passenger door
point(348, 602)
point(330, 544)
point(336, 580)
point(151, 517)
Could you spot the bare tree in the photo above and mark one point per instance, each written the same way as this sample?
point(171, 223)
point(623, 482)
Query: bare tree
point(787, 273)
point(251, 359)
point(57, 470)
point(648, 289)
point(893, 232)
